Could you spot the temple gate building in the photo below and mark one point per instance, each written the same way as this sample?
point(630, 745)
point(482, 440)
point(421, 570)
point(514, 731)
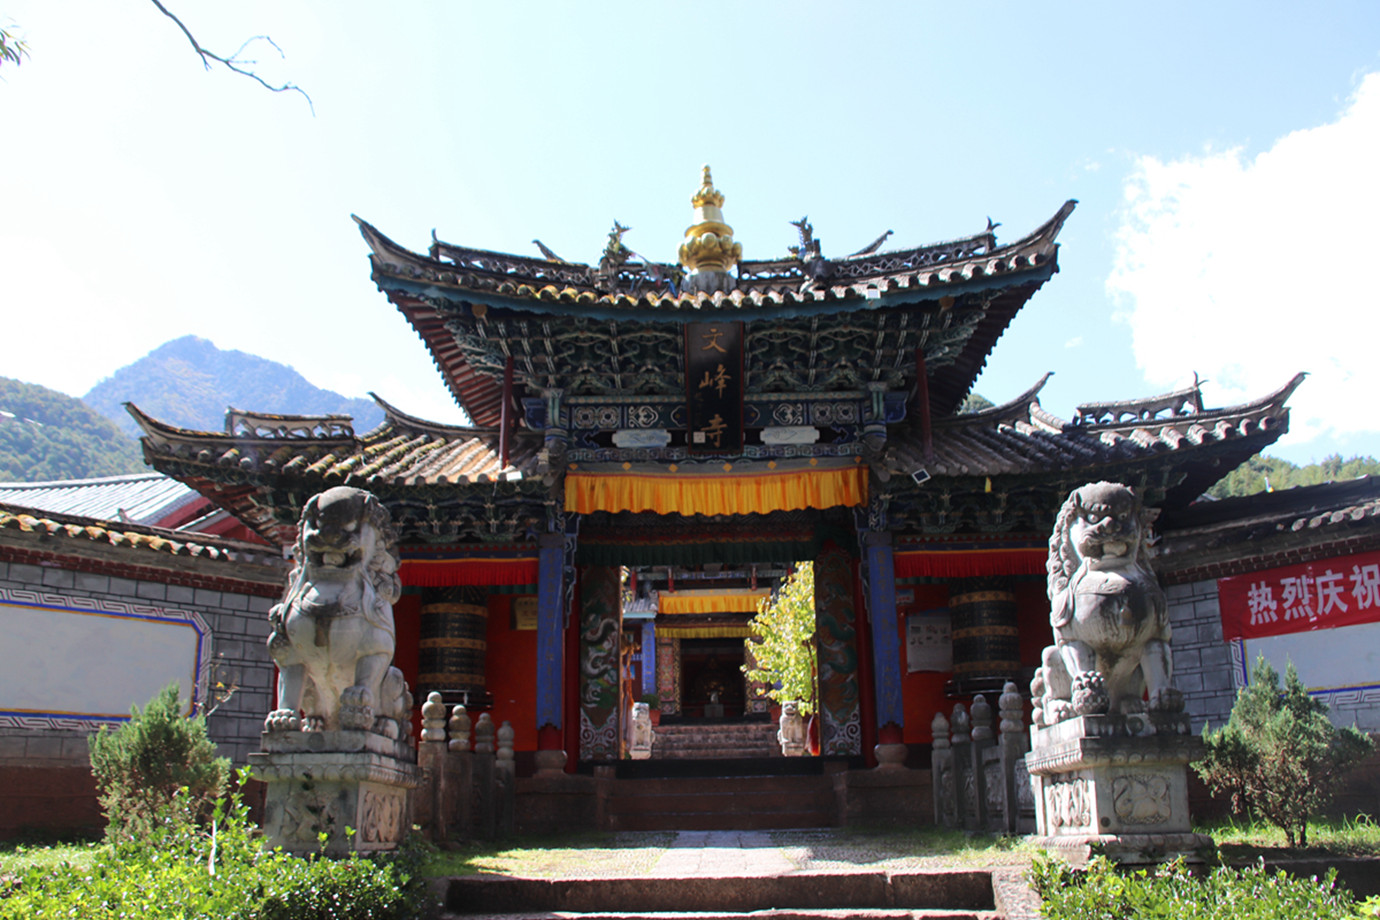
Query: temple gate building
point(654, 447)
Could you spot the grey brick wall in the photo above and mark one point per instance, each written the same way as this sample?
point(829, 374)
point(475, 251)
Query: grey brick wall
point(1205, 671)
point(239, 631)
point(1202, 662)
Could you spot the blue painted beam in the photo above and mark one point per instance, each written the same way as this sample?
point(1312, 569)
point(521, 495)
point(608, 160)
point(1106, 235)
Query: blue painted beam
point(886, 639)
point(550, 627)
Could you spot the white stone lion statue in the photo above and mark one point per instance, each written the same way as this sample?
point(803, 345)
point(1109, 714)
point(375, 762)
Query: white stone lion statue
point(333, 636)
point(1110, 618)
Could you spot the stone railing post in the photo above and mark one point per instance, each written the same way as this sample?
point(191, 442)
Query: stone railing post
point(640, 744)
point(431, 799)
point(961, 740)
point(505, 779)
point(942, 779)
point(983, 766)
point(790, 732)
point(1014, 741)
point(485, 812)
point(460, 774)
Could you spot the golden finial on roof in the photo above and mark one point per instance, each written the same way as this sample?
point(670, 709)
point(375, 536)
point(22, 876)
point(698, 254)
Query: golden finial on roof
point(708, 193)
point(709, 250)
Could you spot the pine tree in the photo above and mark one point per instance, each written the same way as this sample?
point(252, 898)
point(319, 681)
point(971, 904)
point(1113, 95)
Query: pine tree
point(1279, 755)
point(141, 766)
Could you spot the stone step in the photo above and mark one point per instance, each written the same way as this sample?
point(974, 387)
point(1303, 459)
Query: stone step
point(721, 803)
point(719, 741)
point(826, 895)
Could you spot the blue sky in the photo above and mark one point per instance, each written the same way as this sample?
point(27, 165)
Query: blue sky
point(1223, 156)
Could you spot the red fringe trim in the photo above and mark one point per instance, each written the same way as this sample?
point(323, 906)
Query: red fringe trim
point(440, 573)
point(970, 563)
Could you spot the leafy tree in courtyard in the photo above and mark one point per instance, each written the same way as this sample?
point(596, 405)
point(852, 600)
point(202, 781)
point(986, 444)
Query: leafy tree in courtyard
point(141, 766)
point(1279, 755)
point(784, 641)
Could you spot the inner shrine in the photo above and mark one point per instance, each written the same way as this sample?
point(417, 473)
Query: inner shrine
point(655, 446)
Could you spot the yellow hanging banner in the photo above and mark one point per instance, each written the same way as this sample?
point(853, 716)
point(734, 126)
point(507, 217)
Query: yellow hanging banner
point(749, 493)
point(710, 601)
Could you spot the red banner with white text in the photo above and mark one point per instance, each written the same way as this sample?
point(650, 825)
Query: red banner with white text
point(1342, 591)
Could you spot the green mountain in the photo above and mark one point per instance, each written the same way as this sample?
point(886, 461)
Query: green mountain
point(45, 435)
point(1261, 474)
point(190, 382)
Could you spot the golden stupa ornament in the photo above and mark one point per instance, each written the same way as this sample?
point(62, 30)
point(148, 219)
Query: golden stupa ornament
point(709, 250)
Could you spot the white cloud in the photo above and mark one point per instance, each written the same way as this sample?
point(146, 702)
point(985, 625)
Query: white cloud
point(1074, 342)
point(1250, 270)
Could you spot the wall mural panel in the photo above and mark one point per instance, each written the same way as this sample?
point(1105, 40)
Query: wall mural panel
point(841, 720)
point(600, 621)
point(668, 674)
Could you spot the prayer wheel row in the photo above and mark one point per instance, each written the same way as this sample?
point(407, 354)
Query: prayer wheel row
point(454, 644)
point(986, 641)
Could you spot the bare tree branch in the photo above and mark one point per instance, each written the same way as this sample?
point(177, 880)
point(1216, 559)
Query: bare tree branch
point(13, 49)
point(234, 62)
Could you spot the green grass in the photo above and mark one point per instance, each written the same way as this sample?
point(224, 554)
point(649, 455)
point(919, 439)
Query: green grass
point(594, 853)
point(589, 853)
point(900, 848)
point(16, 858)
point(1245, 841)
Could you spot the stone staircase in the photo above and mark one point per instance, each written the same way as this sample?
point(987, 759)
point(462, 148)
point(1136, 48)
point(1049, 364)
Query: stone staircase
point(715, 741)
point(954, 894)
point(712, 803)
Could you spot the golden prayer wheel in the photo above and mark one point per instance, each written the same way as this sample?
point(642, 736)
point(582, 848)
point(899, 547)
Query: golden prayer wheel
point(454, 644)
point(986, 640)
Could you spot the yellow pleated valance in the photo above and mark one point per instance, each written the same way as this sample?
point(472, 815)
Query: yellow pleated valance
point(710, 601)
point(748, 493)
point(704, 632)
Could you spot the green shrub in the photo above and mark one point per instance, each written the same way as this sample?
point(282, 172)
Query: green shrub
point(140, 767)
point(1103, 892)
point(783, 641)
point(1279, 755)
point(219, 870)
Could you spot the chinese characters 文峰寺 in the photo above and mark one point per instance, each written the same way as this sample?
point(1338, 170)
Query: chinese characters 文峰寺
point(718, 381)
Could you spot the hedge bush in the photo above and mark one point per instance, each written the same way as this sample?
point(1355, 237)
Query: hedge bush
point(220, 869)
point(142, 765)
point(1279, 755)
point(1104, 892)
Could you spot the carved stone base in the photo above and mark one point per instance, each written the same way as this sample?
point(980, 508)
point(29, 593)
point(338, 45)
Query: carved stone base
point(550, 762)
point(1132, 849)
point(1118, 786)
point(891, 756)
point(324, 782)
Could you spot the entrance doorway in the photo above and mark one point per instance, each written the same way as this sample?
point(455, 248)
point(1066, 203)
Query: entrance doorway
point(712, 679)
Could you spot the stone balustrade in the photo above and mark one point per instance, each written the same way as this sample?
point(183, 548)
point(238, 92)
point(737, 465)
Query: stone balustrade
point(979, 776)
point(468, 774)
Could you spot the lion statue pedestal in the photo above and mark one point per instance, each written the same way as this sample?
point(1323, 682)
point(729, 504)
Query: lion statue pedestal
point(336, 749)
point(1110, 744)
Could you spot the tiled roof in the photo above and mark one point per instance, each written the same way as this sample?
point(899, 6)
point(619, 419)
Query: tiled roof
point(560, 285)
point(450, 291)
point(1233, 536)
point(1021, 438)
point(1334, 508)
point(403, 452)
point(139, 498)
point(119, 534)
point(262, 477)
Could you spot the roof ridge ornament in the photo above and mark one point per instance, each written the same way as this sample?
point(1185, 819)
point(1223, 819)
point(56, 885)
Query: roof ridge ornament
point(709, 251)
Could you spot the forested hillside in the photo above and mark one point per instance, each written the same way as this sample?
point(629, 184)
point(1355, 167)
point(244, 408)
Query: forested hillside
point(45, 435)
point(189, 382)
point(1261, 474)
